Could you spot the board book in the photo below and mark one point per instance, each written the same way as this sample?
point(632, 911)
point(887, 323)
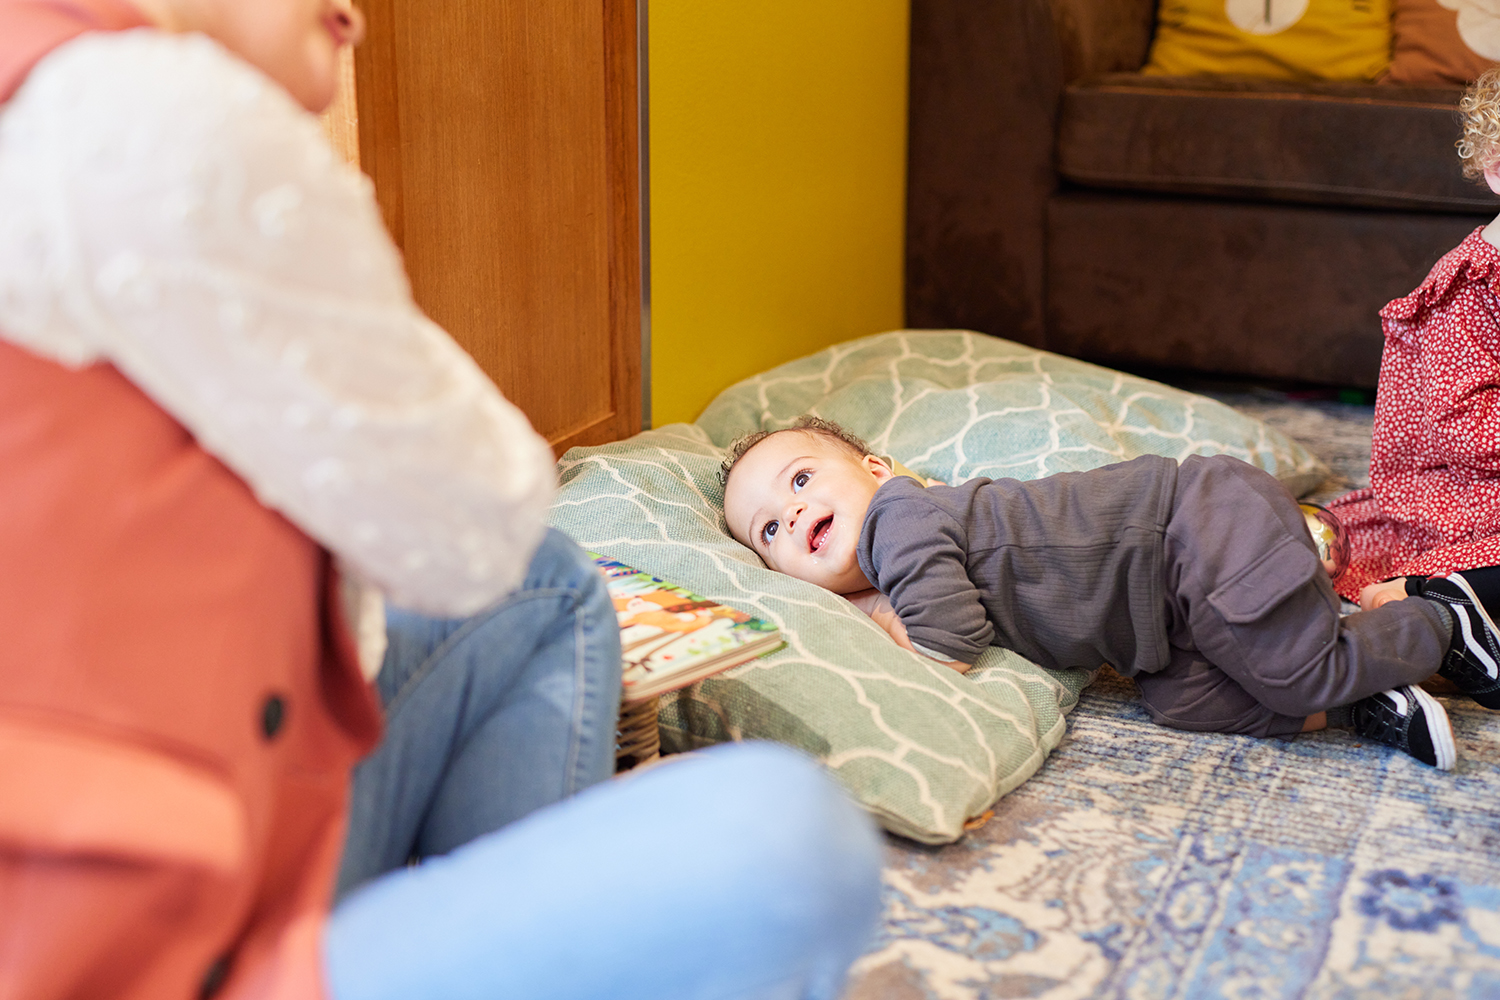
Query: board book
point(672, 637)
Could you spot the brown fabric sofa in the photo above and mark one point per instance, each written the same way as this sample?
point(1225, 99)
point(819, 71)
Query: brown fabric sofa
point(1058, 197)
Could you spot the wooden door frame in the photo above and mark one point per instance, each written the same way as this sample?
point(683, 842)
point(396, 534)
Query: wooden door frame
point(380, 153)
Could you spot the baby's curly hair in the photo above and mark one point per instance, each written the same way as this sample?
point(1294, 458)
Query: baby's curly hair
point(1480, 107)
point(807, 422)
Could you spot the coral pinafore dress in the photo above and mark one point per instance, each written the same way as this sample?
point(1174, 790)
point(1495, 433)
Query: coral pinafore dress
point(1433, 504)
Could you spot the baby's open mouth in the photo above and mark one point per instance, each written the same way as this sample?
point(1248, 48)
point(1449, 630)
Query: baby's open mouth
point(820, 533)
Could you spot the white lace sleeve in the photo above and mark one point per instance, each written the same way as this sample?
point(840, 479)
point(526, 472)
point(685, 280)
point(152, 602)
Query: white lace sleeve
point(167, 208)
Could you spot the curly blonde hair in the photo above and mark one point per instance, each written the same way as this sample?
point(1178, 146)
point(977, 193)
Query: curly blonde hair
point(1480, 144)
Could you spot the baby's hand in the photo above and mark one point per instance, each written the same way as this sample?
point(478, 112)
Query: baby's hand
point(875, 604)
point(1376, 594)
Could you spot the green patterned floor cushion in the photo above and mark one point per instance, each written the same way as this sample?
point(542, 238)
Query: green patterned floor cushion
point(953, 405)
point(922, 747)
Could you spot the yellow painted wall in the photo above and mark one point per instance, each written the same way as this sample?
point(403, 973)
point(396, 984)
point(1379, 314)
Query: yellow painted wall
point(778, 169)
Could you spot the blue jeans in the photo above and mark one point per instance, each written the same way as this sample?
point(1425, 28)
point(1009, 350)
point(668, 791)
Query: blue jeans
point(739, 872)
point(488, 718)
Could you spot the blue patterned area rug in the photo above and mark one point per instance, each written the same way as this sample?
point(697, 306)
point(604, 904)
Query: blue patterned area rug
point(1150, 864)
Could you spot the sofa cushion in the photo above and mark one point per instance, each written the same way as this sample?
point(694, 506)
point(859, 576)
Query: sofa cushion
point(1321, 143)
point(1273, 290)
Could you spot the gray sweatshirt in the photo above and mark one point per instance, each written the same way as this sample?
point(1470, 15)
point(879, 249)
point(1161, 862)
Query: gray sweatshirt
point(1066, 570)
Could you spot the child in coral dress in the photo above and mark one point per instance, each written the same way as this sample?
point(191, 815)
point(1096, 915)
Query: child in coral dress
point(1433, 504)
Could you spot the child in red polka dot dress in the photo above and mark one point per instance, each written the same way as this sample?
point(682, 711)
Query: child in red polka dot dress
point(1433, 504)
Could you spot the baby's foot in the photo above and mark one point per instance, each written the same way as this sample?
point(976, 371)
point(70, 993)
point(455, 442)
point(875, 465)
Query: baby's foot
point(1410, 720)
point(1473, 660)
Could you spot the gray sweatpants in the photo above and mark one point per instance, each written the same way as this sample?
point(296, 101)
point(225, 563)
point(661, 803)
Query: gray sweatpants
point(1257, 643)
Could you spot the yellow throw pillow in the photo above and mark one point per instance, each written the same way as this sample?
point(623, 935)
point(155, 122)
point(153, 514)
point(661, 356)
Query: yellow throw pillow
point(1283, 39)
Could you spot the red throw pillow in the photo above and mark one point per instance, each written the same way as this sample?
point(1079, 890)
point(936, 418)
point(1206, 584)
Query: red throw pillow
point(1441, 44)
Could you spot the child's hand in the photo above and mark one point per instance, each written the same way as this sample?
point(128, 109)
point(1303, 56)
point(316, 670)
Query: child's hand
point(1376, 594)
point(875, 604)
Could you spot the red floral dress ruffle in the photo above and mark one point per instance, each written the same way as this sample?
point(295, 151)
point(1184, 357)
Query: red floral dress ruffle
point(1433, 504)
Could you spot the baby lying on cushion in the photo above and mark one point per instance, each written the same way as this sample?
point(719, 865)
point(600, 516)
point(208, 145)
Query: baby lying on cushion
point(1200, 581)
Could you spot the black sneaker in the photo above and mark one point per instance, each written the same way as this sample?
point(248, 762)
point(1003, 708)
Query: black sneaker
point(1408, 719)
point(1473, 660)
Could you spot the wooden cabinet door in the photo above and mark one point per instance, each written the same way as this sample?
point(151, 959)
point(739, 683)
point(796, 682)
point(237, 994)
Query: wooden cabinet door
point(502, 137)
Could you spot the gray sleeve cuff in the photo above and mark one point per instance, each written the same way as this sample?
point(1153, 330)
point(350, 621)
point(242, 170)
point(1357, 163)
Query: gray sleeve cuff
point(934, 654)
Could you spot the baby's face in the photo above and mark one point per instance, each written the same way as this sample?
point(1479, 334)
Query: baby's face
point(799, 500)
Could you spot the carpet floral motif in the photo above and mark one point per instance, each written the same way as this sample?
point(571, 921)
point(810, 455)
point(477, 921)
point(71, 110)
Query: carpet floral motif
point(1148, 864)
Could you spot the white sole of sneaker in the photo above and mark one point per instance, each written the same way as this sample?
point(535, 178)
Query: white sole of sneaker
point(1490, 665)
point(1438, 727)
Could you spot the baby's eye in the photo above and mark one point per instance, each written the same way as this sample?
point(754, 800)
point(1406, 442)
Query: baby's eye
point(768, 532)
point(800, 480)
